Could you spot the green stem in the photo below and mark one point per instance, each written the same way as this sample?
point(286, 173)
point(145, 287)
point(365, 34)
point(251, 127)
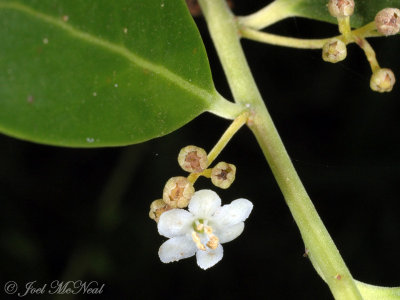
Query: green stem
point(279, 40)
point(354, 36)
point(345, 28)
point(322, 250)
point(270, 14)
point(224, 108)
point(221, 144)
point(369, 53)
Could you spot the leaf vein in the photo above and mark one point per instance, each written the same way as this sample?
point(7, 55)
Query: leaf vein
point(118, 49)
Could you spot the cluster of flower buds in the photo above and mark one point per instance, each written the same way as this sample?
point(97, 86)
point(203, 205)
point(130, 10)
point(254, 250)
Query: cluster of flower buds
point(387, 22)
point(176, 194)
point(194, 160)
point(179, 190)
point(335, 50)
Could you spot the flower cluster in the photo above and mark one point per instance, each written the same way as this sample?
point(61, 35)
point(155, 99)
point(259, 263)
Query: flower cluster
point(387, 22)
point(205, 225)
point(179, 189)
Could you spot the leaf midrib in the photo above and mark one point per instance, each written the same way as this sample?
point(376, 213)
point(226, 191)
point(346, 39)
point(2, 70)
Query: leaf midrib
point(118, 49)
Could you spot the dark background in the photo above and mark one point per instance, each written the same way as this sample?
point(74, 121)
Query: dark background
point(72, 214)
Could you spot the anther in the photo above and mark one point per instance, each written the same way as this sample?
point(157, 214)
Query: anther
point(208, 230)
point(200, 227)
point(213, 239)
point(196, 240)
point(213, 242)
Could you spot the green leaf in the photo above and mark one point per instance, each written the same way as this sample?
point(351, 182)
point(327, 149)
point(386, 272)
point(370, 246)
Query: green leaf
point(100, 72)
point(364, 12)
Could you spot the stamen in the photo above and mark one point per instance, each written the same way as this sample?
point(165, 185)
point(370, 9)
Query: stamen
point(199, 227)
point(208, 230)
point(213, 242)
point(196, 240)
point(213, 239)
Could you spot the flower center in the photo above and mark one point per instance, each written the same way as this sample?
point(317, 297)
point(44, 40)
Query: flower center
point(201, 227)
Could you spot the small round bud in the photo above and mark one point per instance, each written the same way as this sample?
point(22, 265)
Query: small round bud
point(193, 159)
point(157, 208)
point(387, 21)
point(177, 192)
point(341, 8)
point(334, 51)
point(382, 80)
point(223, 174)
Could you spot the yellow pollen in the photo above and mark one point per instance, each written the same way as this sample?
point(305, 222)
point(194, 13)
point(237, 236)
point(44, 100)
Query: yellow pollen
point(196, 240)
point(199, 227)
point(213, 242)
point(213, 239)
point(208, 230)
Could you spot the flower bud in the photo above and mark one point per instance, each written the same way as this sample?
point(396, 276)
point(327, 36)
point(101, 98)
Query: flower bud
point(157, 208)
point(382, 80)
point(334, 51)
point(341, 8)
point(223, 174)
point(387, 21)
point(177, 192)
point(193, 159)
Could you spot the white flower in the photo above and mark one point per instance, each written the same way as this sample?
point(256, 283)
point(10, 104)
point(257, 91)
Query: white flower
point(202, 229)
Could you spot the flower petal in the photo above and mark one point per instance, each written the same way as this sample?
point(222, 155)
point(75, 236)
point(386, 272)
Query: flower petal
point(204, 203)
point(230, 233)
point(177, 248)
point(175, 222)
point(234, 213)
point(209, 257)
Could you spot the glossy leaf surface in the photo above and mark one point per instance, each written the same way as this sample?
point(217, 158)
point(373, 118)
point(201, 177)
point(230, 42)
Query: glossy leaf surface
point(100, 73)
